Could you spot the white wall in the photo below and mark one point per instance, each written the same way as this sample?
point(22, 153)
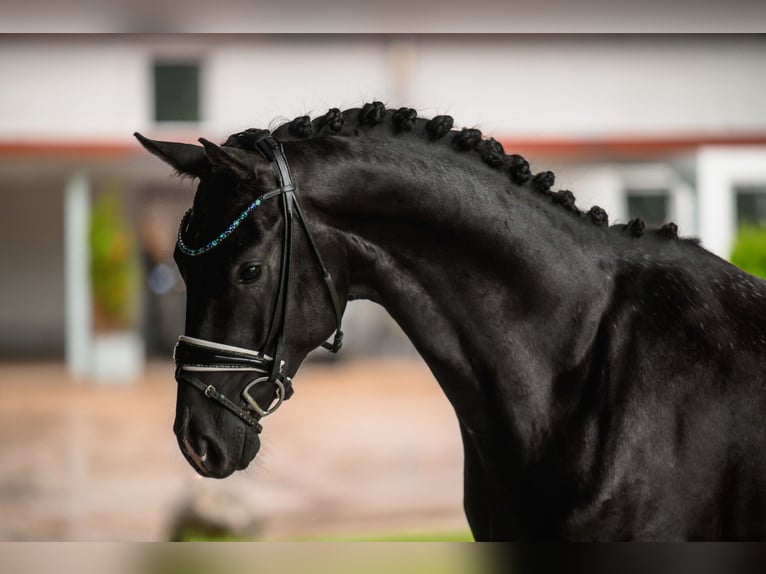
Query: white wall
point(55, 89)
point(593, 85)
point(253, 83)
point(575, 86)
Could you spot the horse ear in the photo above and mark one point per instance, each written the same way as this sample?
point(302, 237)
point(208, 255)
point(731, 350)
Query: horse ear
point(229, 160)
point(187, 159)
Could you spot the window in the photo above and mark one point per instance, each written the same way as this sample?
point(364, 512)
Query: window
point(651, 206)
point(176, 92)
point(751, 205)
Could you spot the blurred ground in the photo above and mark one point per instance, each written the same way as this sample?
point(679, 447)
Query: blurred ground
point(364, 446)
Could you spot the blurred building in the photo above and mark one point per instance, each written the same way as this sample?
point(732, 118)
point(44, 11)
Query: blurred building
point(666, 128)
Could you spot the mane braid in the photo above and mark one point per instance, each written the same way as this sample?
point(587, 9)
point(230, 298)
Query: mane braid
point(372, 116)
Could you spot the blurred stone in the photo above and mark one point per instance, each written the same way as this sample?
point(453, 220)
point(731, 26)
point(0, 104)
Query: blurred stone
point(209, 512)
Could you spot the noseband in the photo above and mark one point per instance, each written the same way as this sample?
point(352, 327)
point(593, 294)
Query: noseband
point(192, 355)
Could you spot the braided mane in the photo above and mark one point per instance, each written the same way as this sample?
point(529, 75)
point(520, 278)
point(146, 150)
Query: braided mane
point(374, 115)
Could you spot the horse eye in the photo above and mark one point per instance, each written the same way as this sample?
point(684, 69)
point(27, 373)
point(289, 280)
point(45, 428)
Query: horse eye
point(250, 273)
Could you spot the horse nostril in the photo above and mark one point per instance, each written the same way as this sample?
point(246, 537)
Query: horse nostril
point(198, 455)
point(203, 450)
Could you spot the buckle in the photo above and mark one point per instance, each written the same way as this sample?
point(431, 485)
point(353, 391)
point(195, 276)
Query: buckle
point(210, 391)
point(336, 344)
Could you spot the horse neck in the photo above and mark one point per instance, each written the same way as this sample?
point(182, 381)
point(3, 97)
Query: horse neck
point(499, 290)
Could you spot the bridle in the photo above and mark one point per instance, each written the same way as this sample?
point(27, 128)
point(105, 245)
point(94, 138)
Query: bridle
point(193, 355)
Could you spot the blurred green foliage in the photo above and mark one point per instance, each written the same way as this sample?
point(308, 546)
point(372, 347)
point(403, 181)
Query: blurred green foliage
point(324, 558)
point(200, 535)
point(113, 262)
point(750, 250)
point(405, 536)
point(197, 535)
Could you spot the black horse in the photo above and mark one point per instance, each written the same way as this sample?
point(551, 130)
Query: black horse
point(608, 381)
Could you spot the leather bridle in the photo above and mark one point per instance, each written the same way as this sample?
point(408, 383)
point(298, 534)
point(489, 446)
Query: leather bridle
point(193, 355)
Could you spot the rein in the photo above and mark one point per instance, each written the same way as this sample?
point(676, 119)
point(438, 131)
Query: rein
point(193, 355)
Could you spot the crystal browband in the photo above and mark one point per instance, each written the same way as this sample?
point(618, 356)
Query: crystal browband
point(229, 230)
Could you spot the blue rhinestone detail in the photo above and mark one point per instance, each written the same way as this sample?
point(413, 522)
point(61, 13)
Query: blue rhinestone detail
point(214, 243)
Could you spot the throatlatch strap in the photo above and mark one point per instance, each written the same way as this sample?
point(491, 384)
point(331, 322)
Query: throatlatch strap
point(273, 151)
point(337, 342)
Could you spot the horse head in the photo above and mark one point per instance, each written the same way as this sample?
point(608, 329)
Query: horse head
point(242, 263)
